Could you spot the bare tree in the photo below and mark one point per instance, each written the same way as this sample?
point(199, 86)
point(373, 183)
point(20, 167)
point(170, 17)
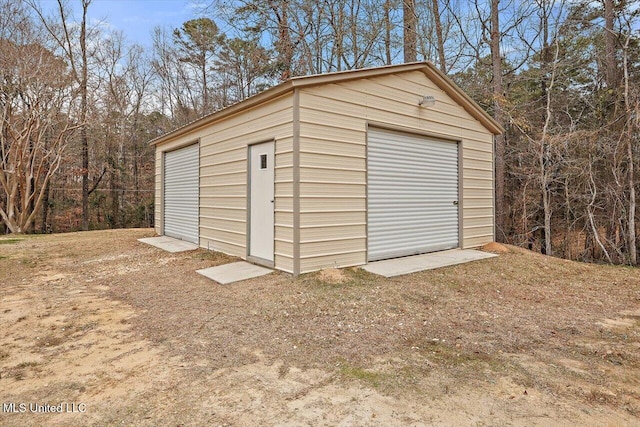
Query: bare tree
point(246, 65)
point(284, 43)
point(176, 95)
point(35, 128)
point(544, 155)
point(67, 39)
point(632, 126)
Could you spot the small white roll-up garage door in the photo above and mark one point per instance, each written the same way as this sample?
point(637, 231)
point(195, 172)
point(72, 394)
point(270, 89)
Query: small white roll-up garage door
point(181, 193)
point(412, 194)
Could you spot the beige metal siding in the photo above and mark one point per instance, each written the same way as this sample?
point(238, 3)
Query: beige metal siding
point(333, 135)
point(332, 188)
point(223, 177)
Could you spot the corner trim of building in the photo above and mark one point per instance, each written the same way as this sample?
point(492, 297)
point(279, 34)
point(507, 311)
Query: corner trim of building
point(296, 182)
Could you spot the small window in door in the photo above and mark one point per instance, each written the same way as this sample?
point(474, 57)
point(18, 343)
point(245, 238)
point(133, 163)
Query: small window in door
point(263, 161)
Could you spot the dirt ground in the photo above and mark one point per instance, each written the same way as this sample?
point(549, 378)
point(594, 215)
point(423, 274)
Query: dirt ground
point(122, 333)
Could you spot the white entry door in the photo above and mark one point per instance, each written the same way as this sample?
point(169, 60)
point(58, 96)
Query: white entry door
point(261, 201)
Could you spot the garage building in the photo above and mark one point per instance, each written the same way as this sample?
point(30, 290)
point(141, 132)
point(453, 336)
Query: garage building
point(333, 170)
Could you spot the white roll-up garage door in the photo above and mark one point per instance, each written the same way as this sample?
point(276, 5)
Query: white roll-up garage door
point(181, 193)
point(412, 194)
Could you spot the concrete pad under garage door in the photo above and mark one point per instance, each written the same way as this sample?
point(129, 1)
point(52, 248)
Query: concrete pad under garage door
point(430, 261)
point(169, 244)
point(234, 272)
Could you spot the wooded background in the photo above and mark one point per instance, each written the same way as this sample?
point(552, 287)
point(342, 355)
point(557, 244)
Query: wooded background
point(79, 103)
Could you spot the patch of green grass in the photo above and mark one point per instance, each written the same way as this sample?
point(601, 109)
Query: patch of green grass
point(10, 241)
point(393, 378)
point(373, 379)
point(465, 362)
point(15, 240)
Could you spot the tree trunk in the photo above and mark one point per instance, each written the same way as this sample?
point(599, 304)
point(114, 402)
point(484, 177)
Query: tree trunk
point(115, 198)
point(546, 204)
point(387, 31)
point(284, 46)
point(545, 148)
point(590, 212)
point(439, 37)
point(610, 45)
point(32, 185)
point(631, 220)
point(44, 227)
point(205, 90)
point(498, 114)
point(410, 31)
point(632, 242)
point(83, 118)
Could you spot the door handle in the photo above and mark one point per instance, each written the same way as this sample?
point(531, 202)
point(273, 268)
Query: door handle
point(455, 202)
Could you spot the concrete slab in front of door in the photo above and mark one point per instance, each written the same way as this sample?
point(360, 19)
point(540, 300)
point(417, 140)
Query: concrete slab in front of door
point(412, 264)
point(169, 244)
point(234, 272)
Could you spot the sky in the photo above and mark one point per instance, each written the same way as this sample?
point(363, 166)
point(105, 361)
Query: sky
point(135, 18)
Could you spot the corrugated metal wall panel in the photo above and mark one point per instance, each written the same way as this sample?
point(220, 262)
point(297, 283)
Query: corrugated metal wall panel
point(412, 187)
point(157, 217)
point(181, 193)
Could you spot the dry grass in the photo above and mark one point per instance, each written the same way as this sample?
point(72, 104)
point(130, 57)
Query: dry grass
point(518, 325)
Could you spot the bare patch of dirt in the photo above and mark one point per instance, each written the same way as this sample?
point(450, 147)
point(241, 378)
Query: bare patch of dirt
point(332, 275)
point(139, 338)
point(495, 248)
